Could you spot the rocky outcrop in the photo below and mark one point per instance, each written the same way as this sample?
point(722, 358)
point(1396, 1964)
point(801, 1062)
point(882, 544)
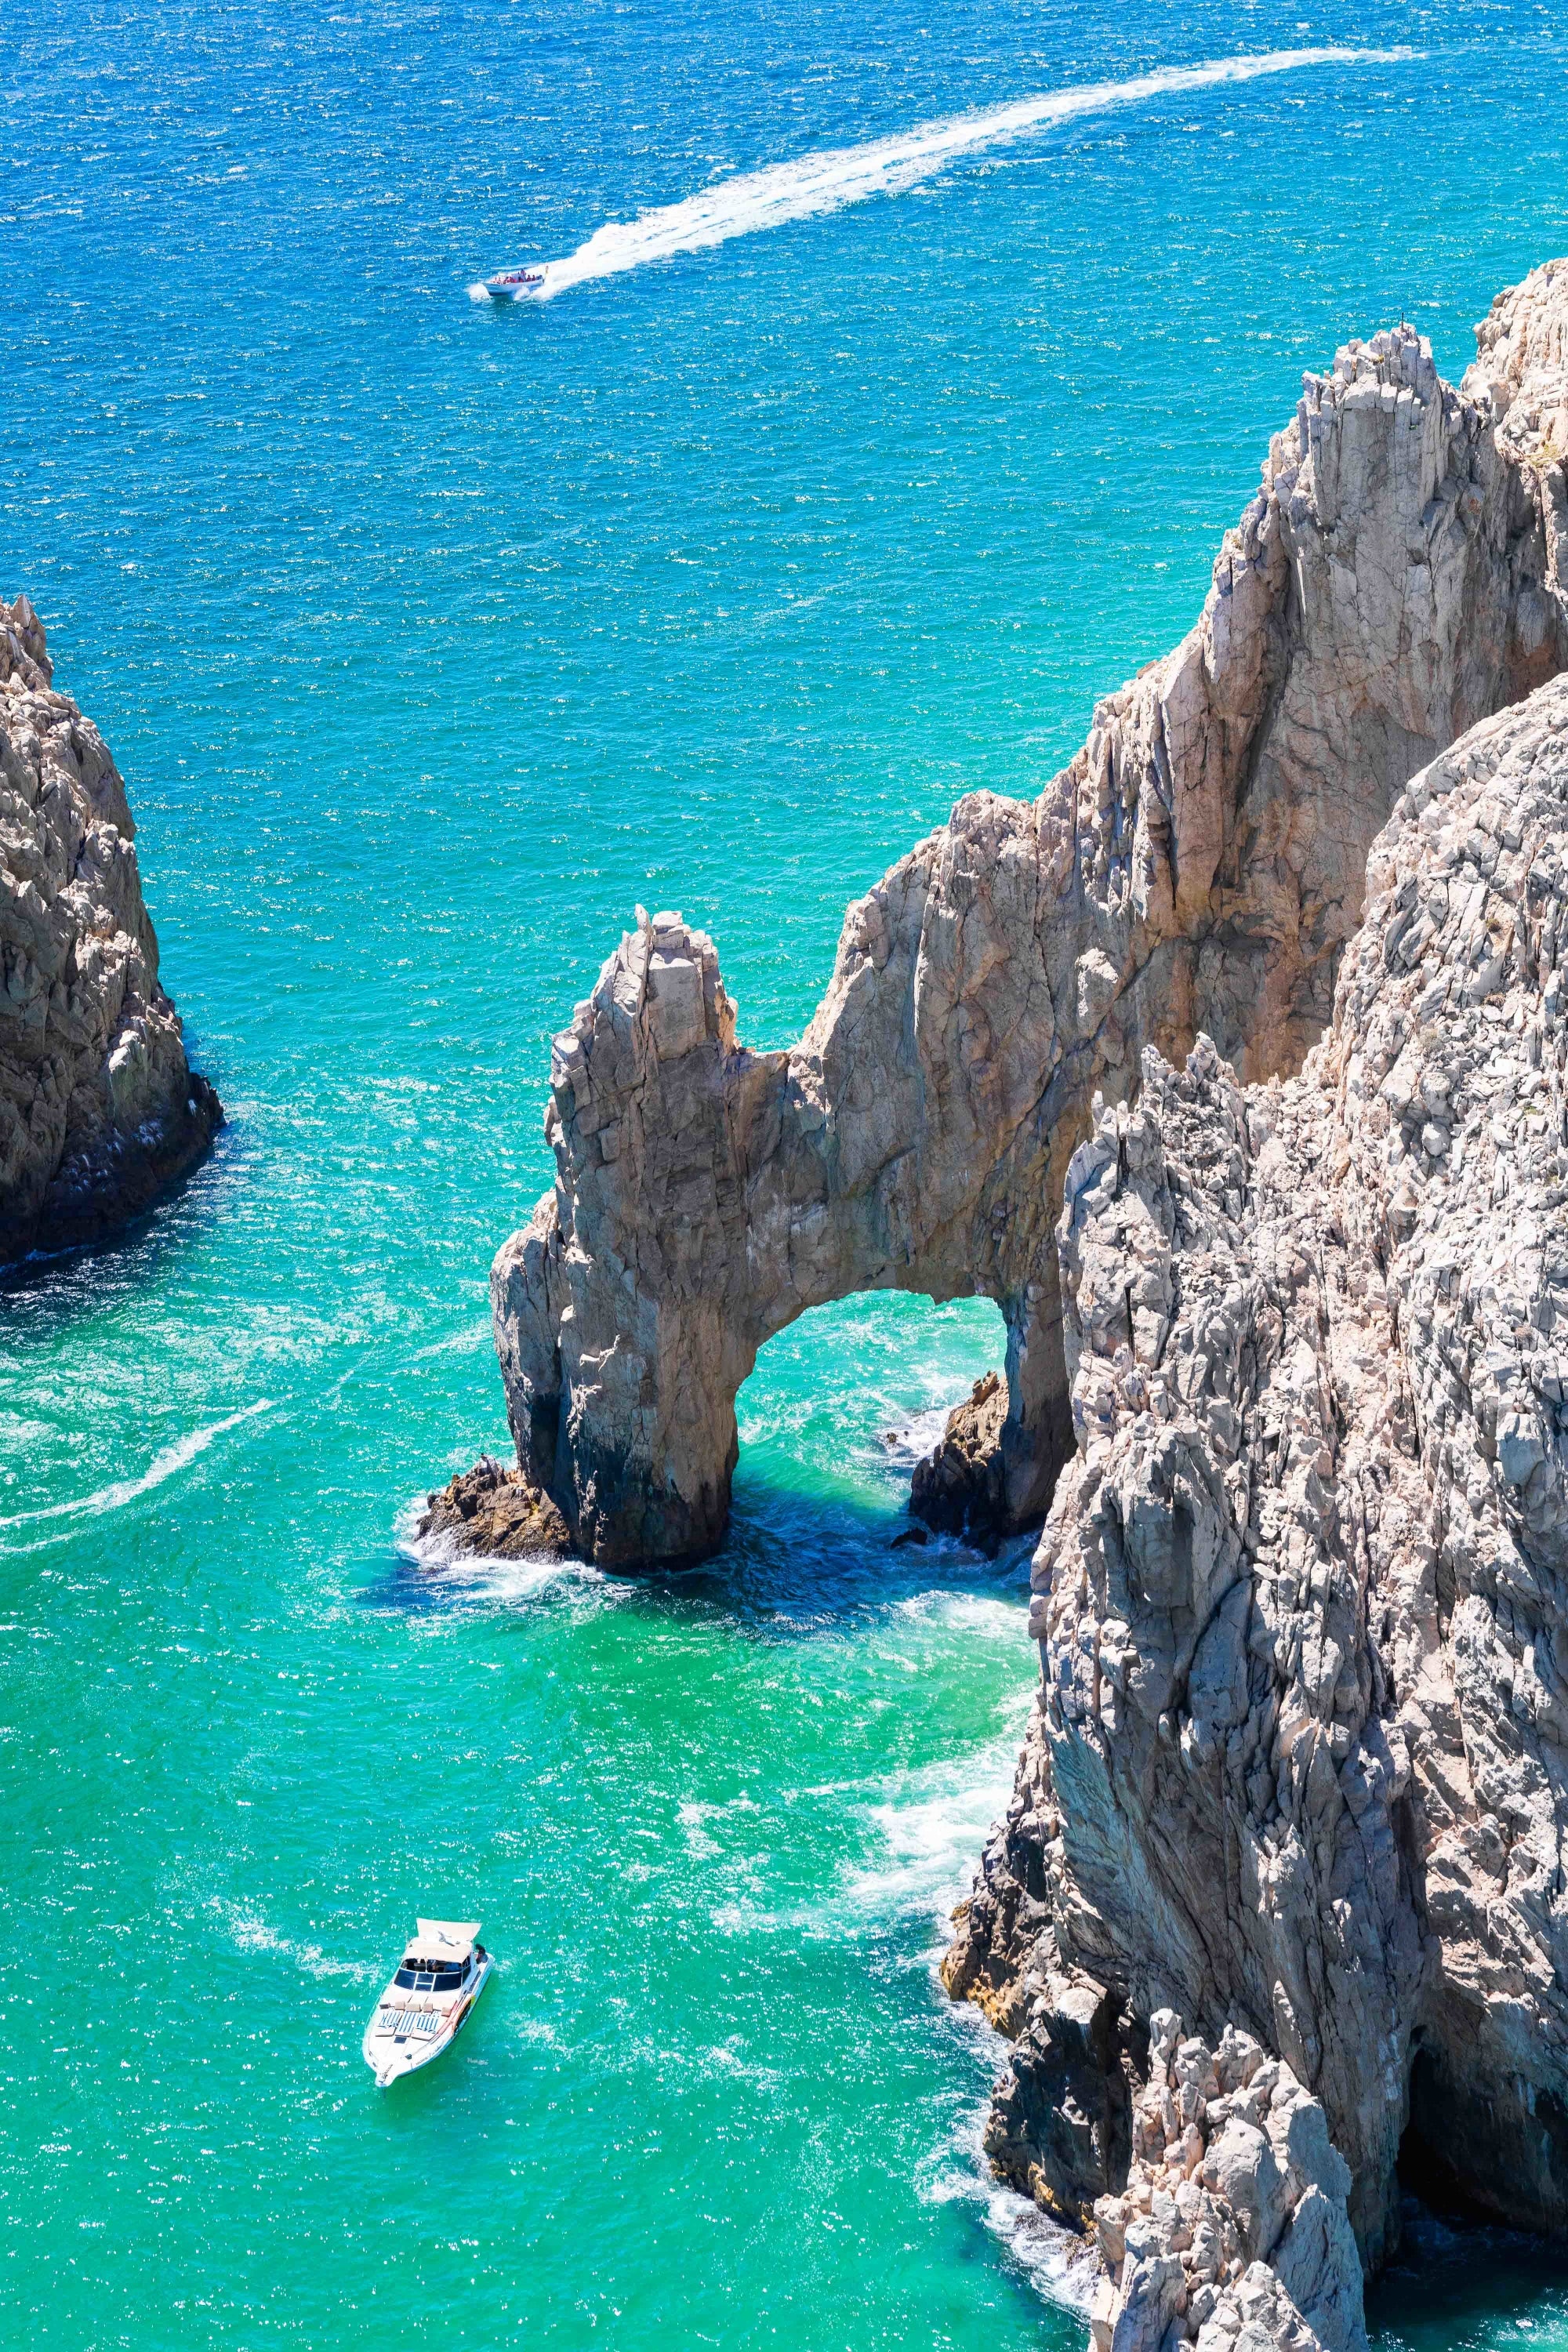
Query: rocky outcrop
point(1198, 867)
point(1299, 1766)
point(958, 1487)
point(1233, 2221)
point(493, 1510)
point(1287, 1316)
point(1060, 2126)
point(99, 1110)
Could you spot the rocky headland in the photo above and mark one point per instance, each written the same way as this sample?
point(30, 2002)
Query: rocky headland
point(1198, 866)
point(1232, 1068)
point(99, 1108)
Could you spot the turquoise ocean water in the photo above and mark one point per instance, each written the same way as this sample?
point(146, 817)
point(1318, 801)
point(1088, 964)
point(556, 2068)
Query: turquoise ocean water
point(430, 639)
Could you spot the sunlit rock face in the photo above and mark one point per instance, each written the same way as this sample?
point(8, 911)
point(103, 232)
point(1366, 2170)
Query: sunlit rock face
point(99, 1108)
point(1232, 1069)
point(1298, 1766)
point(1198, 867)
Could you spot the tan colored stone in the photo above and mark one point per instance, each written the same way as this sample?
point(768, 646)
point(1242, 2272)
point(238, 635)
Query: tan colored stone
point(1197, 866)
point(99, 1108)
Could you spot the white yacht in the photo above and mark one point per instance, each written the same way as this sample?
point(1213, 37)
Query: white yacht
point(524, 285)
point(425, 2006)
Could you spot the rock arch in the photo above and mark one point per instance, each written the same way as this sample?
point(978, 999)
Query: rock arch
point(1402, 572)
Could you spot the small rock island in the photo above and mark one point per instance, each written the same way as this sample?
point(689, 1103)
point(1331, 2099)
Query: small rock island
point(99, 1110)
point(1231, 1066)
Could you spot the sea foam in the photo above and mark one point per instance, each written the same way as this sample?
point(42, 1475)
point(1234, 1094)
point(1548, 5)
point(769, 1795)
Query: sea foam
point(831, 178)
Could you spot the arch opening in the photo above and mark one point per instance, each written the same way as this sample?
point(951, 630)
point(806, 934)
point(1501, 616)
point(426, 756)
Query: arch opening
point(849, 1402)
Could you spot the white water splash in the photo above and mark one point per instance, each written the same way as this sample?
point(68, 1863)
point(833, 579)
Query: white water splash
point(1058, 2264)
point(249, 1932)
point(482, 1581)
point(836, 176)
point(934, 1825)
point(166, 1464)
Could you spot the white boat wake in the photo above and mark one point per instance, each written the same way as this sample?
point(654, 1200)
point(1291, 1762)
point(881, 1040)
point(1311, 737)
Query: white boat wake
point(166, 1464)
point(836, 176)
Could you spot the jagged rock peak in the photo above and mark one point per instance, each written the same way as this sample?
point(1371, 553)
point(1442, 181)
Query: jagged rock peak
point(24, 653)
point(1198, 867)
point(1298, 1767)
point(99, 1110)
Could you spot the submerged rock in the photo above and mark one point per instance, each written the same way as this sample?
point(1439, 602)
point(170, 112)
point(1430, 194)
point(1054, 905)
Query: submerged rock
point(1197, 866)
point(99, 1108)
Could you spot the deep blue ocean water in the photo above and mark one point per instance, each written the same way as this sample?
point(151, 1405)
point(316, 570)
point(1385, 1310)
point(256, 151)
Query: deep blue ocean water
point(430, 639)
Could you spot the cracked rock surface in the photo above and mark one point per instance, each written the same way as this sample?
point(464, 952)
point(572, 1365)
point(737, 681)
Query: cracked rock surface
point(99, 1108)
point(1299, 1766)
point(1198, 867)
point(1232, 2223)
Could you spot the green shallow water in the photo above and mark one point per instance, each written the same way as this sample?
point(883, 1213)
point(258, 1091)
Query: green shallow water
point(430, 641)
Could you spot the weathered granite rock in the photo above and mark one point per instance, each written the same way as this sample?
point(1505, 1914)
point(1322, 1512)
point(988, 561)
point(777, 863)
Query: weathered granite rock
point(1298, 1767)
point(492, 1509)
point(1060, 2126)
point(1197, 866)
point(958, 1487)
point(98, 1110)
point(1232, 2222)
point(1297, 1770)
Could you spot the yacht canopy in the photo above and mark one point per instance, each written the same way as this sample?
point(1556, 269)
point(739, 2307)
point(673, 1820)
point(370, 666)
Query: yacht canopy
point(443, 1940)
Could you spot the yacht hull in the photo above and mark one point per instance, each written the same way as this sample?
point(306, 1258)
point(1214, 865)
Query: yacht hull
point(412, 2030)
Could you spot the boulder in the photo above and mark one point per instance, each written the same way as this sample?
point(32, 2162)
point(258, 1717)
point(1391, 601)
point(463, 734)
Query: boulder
point(958, 1488)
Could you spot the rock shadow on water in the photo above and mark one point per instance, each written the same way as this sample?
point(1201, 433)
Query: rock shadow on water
point(792, 1564)
point(51, 1289)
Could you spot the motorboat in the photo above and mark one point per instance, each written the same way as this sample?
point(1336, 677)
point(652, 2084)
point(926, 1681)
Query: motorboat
point(526, 285)
point(425, 2008)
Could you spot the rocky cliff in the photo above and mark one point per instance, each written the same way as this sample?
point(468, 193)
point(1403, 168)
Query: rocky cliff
point(1299, 1766)
point(1233, 1067)
point(99, 1110)
point(1402, 572)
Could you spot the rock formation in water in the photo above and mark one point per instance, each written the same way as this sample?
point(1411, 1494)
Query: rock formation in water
point(1282, 1886)
point(1299, 1766)
point(97, 1109)
point(1198, 867)
point(958, 1489)
point(493, 1510)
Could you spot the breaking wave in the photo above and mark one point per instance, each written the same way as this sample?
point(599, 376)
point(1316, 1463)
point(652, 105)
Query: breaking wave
point(934, 1824)
point(1058, 2264)
point(445, 1575)
point(836, 176)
